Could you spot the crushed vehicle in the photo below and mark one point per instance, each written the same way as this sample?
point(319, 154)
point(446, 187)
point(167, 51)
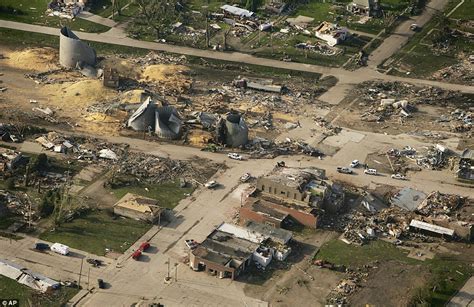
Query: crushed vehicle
point(234, 156)
point(398, 177)
point(344, 170)
point(245, 177)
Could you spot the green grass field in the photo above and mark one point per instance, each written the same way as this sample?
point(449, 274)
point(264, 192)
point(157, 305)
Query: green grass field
point(97, 231)
point(465, 11)
point(29, 297)
point(447, 274)
point(167, 194)
point(34, 12)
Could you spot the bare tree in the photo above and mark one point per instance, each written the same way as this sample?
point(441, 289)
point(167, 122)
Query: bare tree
point(159, 14)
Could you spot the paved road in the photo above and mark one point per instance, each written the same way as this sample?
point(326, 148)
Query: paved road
point(344, 76)
point(402, 33)
point(465, 296)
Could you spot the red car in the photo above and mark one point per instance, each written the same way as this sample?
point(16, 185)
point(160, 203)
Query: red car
point(144, 246)
point(136, 254)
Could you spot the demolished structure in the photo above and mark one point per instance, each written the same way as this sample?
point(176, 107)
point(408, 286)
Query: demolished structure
point(331, 33)
point(164, 121)
point(73, 51)
point(27, 277)
point(364, 7)
point(230, 249)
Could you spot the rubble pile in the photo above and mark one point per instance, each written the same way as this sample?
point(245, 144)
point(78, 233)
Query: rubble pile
point(155, 170)
point(17, 204)
point(435, 157)
point(382, 100)
point(154, 58)
point(263, 148)
point(320, 48)
point(63, 9)
point(363, 226)
point(350, 284)
point(47, 77)
point(438, 205)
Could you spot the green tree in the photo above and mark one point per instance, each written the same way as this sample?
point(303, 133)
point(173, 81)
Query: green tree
point(49, 202)
point(40, 163)
point(160, 14)
point(10, 184)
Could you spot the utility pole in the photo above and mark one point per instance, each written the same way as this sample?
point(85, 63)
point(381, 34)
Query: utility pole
point(88, 276)
point(168, 268)
point(80, 272)
point(176, 271)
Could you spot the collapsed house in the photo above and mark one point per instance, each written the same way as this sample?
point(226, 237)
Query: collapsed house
point(229, 250)
point(331, 33)
point(26, 277)
point(65, 8)
point(364, 7)
point(164, 121)
point(138, 207)
point(10, 159)
point(290, 195)
point(73, 52)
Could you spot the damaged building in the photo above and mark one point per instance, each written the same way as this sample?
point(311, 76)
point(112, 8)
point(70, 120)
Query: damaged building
point(292, 195)
point(364, 7)
point(164, 121)
point(26, 277)
point(73, 52)
point(331, 33)
point(138, 207)
point(229, 250)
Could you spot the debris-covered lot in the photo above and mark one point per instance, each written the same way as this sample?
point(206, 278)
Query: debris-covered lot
point(396, 107)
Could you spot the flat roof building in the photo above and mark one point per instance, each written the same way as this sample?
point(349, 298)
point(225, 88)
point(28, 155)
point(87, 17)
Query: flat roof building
point(138, 207)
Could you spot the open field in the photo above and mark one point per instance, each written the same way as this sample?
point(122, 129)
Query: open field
point(445, 273)
point(29, 297)
point(96, 231)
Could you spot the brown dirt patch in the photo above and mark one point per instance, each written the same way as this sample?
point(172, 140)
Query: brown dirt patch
point(393, 284)
point(35, 59)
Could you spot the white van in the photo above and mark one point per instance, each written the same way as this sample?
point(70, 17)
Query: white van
point(60, 248)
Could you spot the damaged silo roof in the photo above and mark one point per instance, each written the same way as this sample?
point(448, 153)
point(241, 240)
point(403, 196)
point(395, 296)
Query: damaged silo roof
point(237, 131)
point(168, 124)
point(73, 51)
point(144, 117)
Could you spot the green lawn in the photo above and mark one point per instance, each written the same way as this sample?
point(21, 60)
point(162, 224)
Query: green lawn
point(29, 297)
point(97, 231)
point(34, 12)
point(447, 274)
point(167, 194)
point(465, 11)
point(317, 9)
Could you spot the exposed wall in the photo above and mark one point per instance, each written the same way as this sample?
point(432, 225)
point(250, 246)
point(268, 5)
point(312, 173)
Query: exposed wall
point(247, 214)
point(281, 191)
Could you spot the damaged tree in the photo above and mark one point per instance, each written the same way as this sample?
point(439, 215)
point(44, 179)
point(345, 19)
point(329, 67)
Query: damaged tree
point(159, 14)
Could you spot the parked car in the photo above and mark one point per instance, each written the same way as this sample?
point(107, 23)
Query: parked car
point(191, 244)
point(136, 254)
point(234, 156)
point(95, 262)
point(41, 246)
point(245, 177)
point(414, 27)
point(344, 170)
point(101, 283)
point(144, 246)
point(355, 163)
point(370, 171)
point(211, 184)
point(398, 176)
point(60, 248)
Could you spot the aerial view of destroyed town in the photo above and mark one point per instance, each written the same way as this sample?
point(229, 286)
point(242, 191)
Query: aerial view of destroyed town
point(248, 153)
